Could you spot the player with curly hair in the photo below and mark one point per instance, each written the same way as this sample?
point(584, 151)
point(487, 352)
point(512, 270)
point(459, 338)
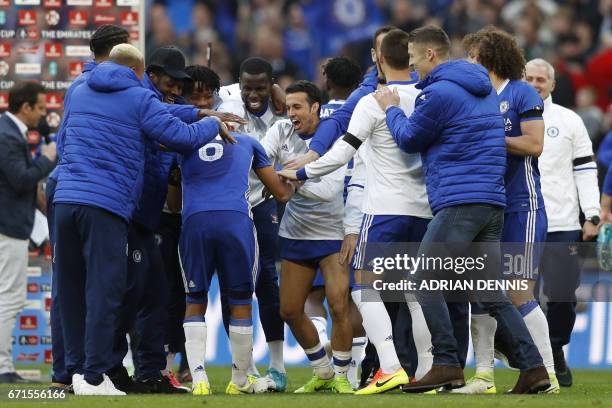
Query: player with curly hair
point(525, 221)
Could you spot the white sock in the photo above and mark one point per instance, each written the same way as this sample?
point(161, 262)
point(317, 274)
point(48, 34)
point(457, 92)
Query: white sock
point(320, 362)
point(377, 325)
point(342, 362)
point(169, 360)
point(252, 370)
point(320, 323)
point(536, 323)
point(483, 329)
point(195, 347)
point(357, 355)
point(241, 343)
point(276, 355)
point(422, 339)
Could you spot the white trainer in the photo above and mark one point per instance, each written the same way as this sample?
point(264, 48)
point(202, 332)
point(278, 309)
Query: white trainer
point(106, 387)
point(77, 381)
point(476, 385)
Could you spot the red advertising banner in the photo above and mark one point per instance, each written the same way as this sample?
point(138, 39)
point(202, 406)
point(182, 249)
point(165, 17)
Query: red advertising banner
point(48, 41)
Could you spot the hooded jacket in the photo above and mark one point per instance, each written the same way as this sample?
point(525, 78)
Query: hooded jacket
point(104, 146)
point(59, 139)
point(157, 166)
point(459, 131)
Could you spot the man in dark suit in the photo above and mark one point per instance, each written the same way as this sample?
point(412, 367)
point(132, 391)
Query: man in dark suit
point(19, 177)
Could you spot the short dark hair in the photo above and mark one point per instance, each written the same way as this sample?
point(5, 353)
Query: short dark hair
point(105, 38)
point(382, 30)
point(312, 92)
point(202, 75)
point(255, 66)
point(498, 52)
point(342, 72)
point(394, 49)
point(24, 92)
point(432, 35)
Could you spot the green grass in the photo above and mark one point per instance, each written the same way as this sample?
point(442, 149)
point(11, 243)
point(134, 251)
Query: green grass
point(591, 389)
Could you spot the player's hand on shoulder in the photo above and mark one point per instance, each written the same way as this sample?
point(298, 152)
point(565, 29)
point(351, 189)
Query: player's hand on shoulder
point(278, 100)
point(224, 116)
point(386, 97)
point(225, 134)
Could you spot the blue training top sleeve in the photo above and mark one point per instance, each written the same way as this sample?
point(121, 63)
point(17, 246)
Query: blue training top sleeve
point(260, 158)
point(332, 128)
point(530, 105)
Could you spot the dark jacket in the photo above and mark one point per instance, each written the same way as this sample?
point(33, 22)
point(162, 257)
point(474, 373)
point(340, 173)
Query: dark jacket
point(104, 147)
point(19, 176)
point(458, 129)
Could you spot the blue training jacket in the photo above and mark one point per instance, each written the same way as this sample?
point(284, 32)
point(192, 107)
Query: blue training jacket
point(103, 155)
point(59, 138)
point(157, 167)
point(459, 130)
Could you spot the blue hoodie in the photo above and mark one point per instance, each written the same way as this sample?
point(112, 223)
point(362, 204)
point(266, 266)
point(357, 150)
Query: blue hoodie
point(59, 139)
point(157, 167)
point(459, 131)
point(103, 155)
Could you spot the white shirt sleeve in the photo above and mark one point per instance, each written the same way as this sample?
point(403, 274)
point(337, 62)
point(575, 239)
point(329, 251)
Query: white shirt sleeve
point(360, 126)
point(324, 188)
point(271, 143)
point(353, 213)
point(585, 175)
point(230, 92)
point(233, 106)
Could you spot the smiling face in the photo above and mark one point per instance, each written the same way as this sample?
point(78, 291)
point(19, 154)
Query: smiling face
point(303, 115)
point(538, 77)
point(255, 90)
point(421, 59)
point(201, 97)
point(170, 88)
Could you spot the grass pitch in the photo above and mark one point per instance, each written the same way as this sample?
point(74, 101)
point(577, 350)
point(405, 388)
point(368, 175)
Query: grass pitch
point(591, 388)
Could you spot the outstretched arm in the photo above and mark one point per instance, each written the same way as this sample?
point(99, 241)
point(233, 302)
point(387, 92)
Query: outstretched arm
point(281, 190)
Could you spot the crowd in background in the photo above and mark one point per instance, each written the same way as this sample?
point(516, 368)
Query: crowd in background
point(298, 35)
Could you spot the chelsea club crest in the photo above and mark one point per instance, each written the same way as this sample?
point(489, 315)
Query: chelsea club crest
point(552, 131)
point(503, 106)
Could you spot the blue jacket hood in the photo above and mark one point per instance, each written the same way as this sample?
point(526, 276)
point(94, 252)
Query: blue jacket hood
point(147, 83)
point(111, 77)
point(473, 78)
point(89, 66)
